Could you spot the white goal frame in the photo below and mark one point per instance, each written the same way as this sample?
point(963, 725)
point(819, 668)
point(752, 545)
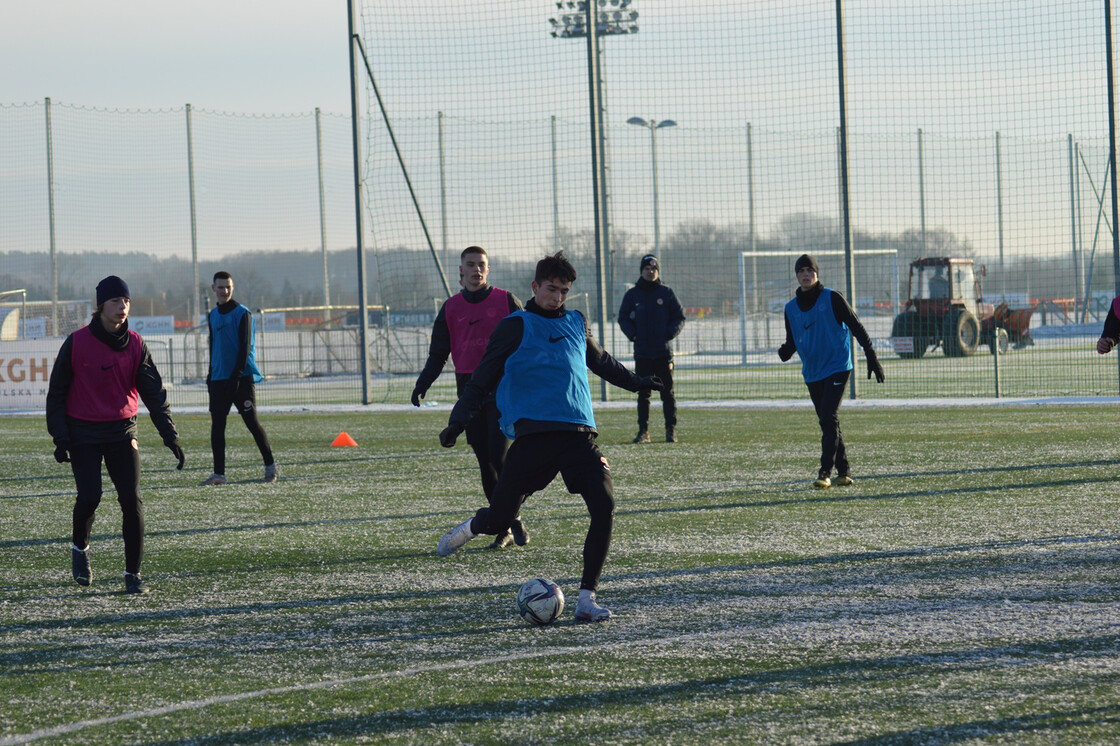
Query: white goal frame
point(792, 255)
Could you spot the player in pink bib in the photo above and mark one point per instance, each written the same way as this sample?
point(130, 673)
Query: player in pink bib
point(462, 330)
point(102, 372)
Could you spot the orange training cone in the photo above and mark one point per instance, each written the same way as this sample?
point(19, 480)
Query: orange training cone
point(344, 439)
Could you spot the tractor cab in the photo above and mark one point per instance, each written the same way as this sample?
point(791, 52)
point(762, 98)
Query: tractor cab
point(945, 308)
point(936, 284)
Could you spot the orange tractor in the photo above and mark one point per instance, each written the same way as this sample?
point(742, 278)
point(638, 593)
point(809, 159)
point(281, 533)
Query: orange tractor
point(945, 308)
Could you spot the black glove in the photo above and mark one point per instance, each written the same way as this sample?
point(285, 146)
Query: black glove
point(785, 352)
point(177, 450)
point(448, 434)
point(417, 395)
point(62, 453)
point(652, 383)
point(873, 367)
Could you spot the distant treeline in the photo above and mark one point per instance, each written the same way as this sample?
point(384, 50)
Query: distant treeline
point(700, 260)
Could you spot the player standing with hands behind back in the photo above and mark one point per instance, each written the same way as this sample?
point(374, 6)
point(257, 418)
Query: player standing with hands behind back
point(819, 328)
point(233, 377)
point(462, 328)
point(651, 317)
point(99, 373)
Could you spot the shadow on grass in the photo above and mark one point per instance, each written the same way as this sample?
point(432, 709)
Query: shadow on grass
point(676, 700)
point(450, 516)
point(836, 495)
point(129, 616)
point(147, 472)
point(1053, 722)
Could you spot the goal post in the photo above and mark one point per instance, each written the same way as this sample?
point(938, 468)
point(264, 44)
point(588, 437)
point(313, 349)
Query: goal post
point(751, 281)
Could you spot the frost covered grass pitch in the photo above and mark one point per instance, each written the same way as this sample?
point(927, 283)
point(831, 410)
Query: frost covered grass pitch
point(965, 589)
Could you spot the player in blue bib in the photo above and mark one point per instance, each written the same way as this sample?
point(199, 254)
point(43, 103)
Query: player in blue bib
point(233, 377)
point(537, 360)
point(819, 328)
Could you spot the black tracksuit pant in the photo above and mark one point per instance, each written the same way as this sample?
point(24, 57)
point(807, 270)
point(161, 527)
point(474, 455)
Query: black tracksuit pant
point(661, 367)
point(827, 395)
point(532, 463)
point(122, 461)
point(243, 395)
point(489, 443)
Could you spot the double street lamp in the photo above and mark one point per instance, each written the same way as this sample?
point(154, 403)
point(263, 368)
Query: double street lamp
point(653, 125)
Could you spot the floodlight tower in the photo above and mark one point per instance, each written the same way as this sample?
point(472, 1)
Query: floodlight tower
point(593, 20)
point(611, 22)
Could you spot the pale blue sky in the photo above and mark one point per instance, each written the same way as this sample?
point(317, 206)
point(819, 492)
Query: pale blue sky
point(253, 56)
point(959, 69)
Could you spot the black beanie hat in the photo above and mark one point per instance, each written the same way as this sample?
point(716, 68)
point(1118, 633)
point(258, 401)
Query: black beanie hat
point(649, 259)
point(112, 287)
point(806, 260)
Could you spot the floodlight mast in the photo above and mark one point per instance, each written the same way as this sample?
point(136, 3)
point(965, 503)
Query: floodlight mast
point(592, 19)
point(573, 25)
point(359, 199)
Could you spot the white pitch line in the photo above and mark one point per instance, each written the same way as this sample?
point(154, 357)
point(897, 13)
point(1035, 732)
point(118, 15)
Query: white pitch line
point(198, 704)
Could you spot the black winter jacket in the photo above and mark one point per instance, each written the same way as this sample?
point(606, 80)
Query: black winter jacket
point(651, 316)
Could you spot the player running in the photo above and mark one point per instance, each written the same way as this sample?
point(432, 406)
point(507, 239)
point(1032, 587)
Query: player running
point(537, 361)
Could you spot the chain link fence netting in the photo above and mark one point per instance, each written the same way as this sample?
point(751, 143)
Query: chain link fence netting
point(977, 140)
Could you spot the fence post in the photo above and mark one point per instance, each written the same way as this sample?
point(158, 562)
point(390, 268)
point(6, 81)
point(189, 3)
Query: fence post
point(360, 249)
point(922, 190)
point(322, 210)
point(555, 190)
point(750, 217)
point(599, 174)
point(50, 207)
point(1112, 154)
point(742, 310)
point(845, 203)
point(193, 307)
point(442, 190)
point(995, 360)
point(1079, 246)
point(999, 223)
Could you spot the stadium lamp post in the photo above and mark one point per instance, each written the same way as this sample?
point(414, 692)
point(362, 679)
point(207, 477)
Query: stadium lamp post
point(593, 20)
point(653, 125)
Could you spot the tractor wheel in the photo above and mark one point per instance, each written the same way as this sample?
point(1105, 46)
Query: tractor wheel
point(1000, 339)
point(961, 333)
point(908, 325)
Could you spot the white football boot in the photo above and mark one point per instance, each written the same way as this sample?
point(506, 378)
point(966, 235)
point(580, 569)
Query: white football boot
point(455, 538)
point(587, 610)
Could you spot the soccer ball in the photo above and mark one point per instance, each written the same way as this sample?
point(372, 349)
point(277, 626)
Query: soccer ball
point(540, 601)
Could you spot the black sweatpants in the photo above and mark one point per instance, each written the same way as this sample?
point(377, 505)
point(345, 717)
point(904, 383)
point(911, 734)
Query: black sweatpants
point(827, 394)
point(244, 397)
point(661, 367)
point(122, 461)
point(532, 463)
point(489, 443)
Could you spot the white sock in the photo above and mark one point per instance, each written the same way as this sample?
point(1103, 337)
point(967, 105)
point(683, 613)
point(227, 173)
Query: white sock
point(76, 549)
point(586, 597)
